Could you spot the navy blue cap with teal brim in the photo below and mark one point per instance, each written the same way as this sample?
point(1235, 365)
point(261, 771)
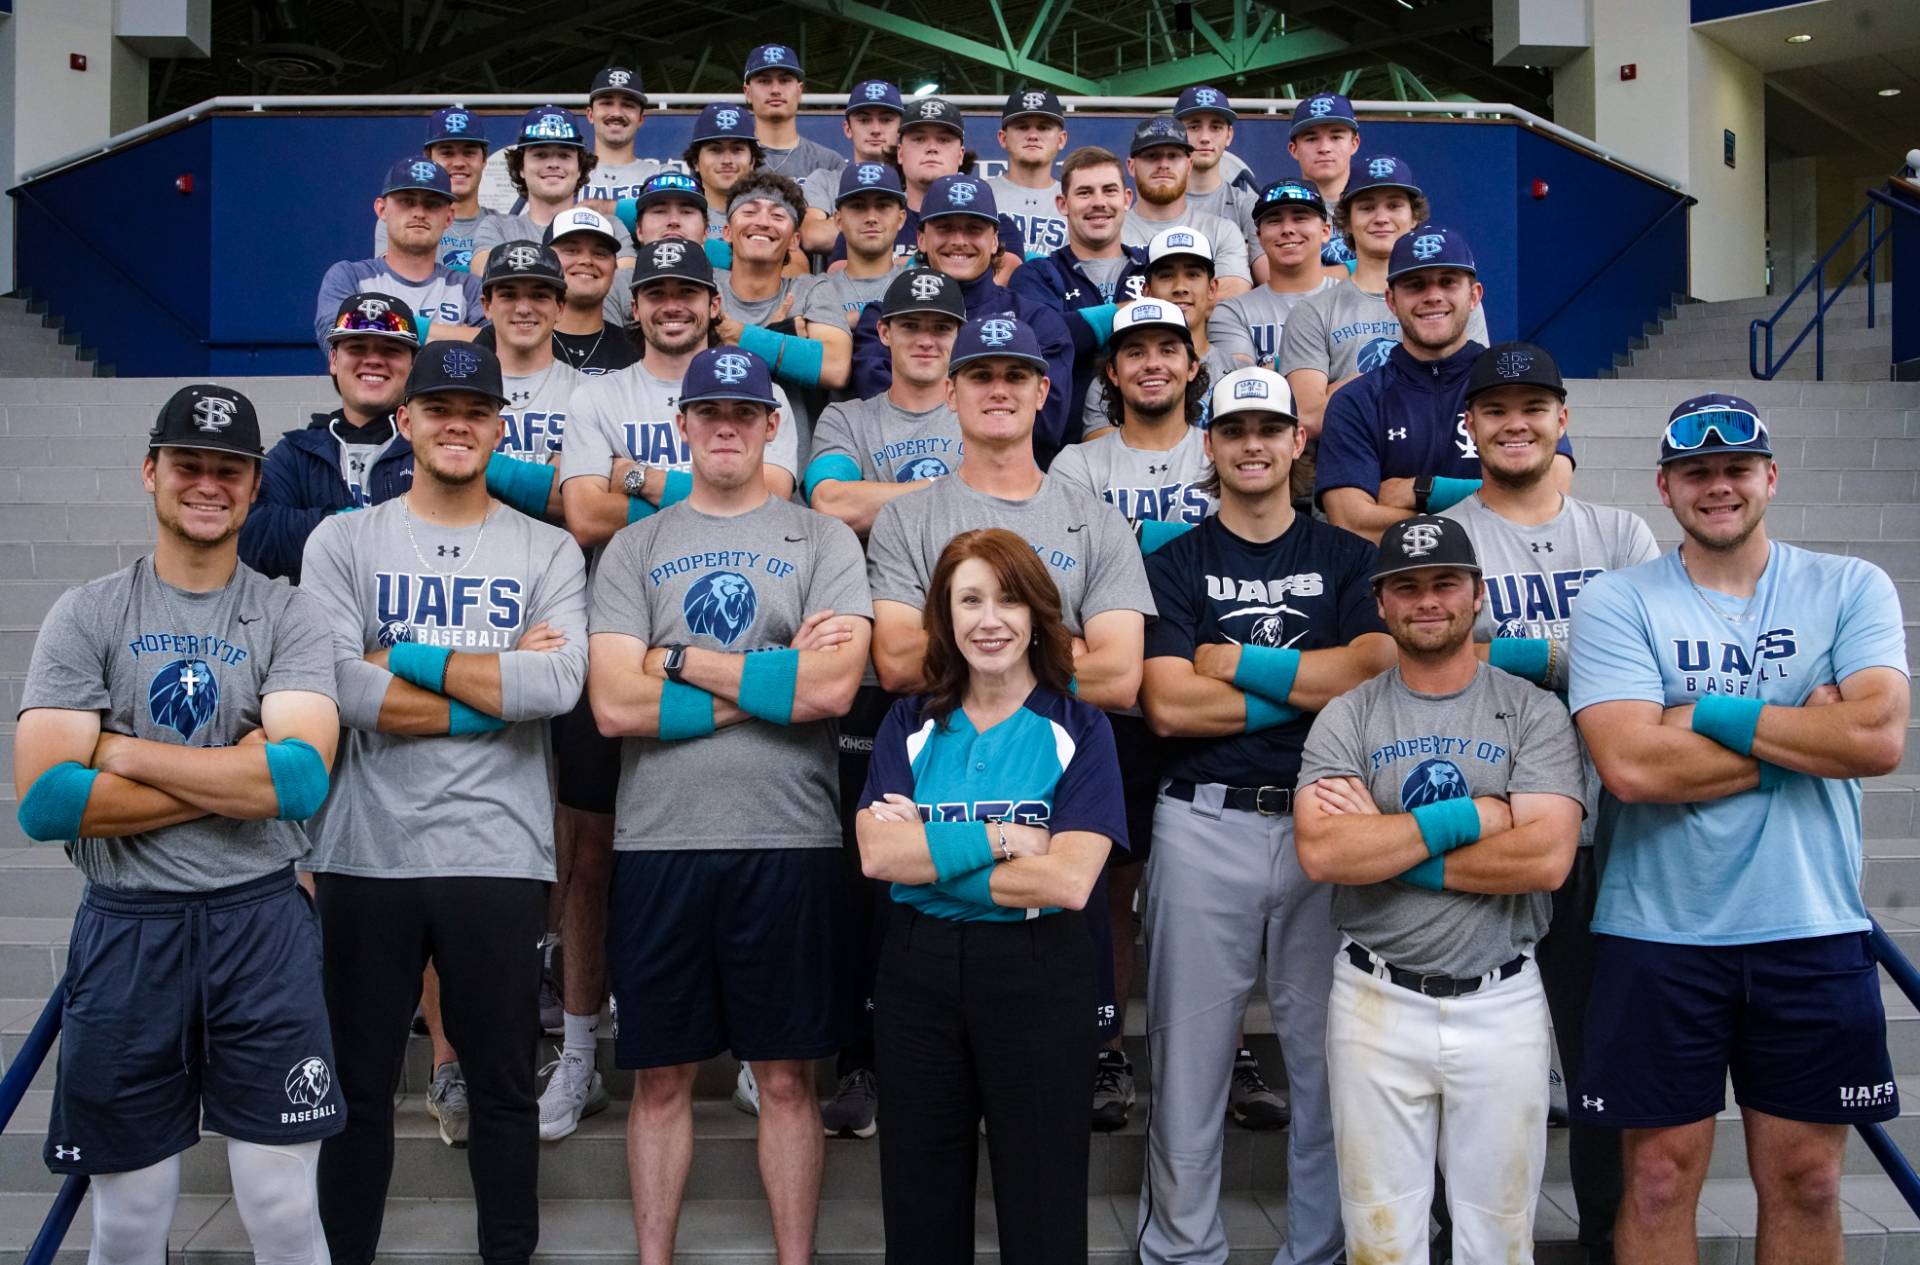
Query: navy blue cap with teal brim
point(727, 373)
point(1713, 423)
point(996, 338)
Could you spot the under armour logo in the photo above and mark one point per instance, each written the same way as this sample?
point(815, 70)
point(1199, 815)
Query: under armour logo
point(961, 192)
point(448, 551)
point(1319, 107)
point(997, 332)
point(1072, 294)
point(869, 173)
point(876, 92)
point(423, 170)
point(1206, 96)
point(67, 1153)
point(1593, 1104)
point(927, 285)
point(455, 123)
point(521, 258)
point(1033, 100)
point(372, 309)
point(1381, 168)
point(726, 120)
point(731, 367)
point(619, 78)
point(1427, 245)
point(1542, 546)
point(458, 362)
point(667, 254)
point(1511, 364)
point(1419, 540)
point(1396, 432)
point(213, 414)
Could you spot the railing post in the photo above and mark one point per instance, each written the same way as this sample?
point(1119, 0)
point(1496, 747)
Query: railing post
point(1873, 247)
point(33, 1052)
point(1820, 324)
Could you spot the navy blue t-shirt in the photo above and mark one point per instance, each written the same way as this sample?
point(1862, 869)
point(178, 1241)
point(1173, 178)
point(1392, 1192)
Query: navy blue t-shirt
point(1309, 589)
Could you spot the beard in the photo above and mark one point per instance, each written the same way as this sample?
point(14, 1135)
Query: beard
point(1163, 194)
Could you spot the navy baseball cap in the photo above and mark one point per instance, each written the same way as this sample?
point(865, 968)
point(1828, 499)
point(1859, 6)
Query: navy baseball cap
point(996, 337)
point(1425, 540)
point(368, 313)
point(858, 178)
point(1204, 100)
point(1161, 129)
point(875, 94)
point(455, 366)
point(772, 57)
point(1429, 246)
point(1282, 194)
point(1715, 422)
point(524, 260)
point(959, 195)
point(422, 174)
point(670, 257)
point(1515, 364)
point(1380, 171)
point(580, 219)
point(723, 120)
point(936, 111)
point(727, 373)
point(455, 123)
point(620, 80)
point(551, 125)
point(1149, 314)
point(924, 290)
point(1322, 107)
point(671, 186)
point(208, 416)
point(1034, 101)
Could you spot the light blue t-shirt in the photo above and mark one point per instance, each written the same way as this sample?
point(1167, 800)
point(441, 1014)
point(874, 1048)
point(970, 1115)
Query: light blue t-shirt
point(1779, 864)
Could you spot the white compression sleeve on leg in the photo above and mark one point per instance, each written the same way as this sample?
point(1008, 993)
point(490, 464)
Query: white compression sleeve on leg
point(274, 1189)
point(132, 1213)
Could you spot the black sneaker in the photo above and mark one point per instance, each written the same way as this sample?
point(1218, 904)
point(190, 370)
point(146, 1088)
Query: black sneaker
point(1251, 1102)
point(1112, 1091)
point(854, 1107)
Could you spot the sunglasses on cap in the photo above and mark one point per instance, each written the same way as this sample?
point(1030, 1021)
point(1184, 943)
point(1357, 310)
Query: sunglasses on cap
point(1733, 426)
point(384, 320)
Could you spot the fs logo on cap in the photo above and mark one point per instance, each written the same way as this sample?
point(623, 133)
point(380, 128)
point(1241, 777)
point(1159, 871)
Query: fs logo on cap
point(961, 192)
point(1511, 364)
point(726, 120)
point(1319, 107)
point(1250, 389)
point(927, 285)
point(458, 362)
point(668, 253)
point(213, 414)
point(997, 332)
point(1033, 101)
point(423, 170)
point(619, 78)
point(1206, 96)
point(521, 258)
point(551, 127)
point(876, 91)
point(1419, 540)
point(372, 309)
point(773, 55)
point(1428, 245)
point(870, 173)
point(1381, 168)
point(455, 123)
point(731, 368)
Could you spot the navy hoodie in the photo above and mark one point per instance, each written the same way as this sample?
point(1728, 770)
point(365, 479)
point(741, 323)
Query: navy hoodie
point(302, 485)
point(1058, 281)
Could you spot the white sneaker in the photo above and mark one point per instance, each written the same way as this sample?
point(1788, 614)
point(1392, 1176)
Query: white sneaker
point(574, 1089)
point(746, 1091)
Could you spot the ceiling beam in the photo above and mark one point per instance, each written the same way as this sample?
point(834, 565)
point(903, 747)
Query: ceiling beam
point(1247, 58)
point(861, 14)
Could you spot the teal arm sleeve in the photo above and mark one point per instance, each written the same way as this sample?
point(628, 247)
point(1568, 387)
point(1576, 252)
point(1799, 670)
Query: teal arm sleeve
point(299, 778)
point(794, 359)
point(1100, 320)
point(1728, 720)
point(719, 253)
point(57, 800)
point(521, 484)
point(421, 665)
point(638, 509)
point(1447, 824)
point(685, 712)
point(1450, 492)
point(1263, 713)
point(421, 324)
point(463, 720)
point(767, 681)
point(677, 488)
point(627, 211)
point(959, 847)
point(1154, 533)
point(835, 466)
point(1430, 874)
point(1267, 671)
point(1527, 657)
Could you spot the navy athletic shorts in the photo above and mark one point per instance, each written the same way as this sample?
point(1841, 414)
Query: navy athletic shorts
point(1797, 1022)
point(723, 950)
point(179, 1004)
point(586, 763)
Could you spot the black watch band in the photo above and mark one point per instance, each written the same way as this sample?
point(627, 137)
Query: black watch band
point(676, 663)
point(1422, 493)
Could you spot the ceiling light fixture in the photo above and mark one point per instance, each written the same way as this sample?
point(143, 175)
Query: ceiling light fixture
point(1802, 38)
point(1889, 92)
point(926, 89)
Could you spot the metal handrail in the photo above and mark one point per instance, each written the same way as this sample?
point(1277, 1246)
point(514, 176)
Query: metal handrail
point(1817, 277)
point(824, 101)
point(13, 1088)
point(1686, 200)
point(1875, 1135)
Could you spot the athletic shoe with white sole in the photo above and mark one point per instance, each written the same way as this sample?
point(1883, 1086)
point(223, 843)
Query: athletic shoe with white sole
point(1112, 1091)
point(1251, 1102)
point(854, 1107)
point(746, 1091)
point(574, 1090)
point(447, 1103)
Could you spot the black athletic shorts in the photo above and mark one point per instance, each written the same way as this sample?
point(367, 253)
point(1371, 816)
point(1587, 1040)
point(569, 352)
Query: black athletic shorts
point(180, 1005)
point(586, 763)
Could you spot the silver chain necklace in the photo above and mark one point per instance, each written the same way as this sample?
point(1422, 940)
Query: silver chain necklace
point(406, 516)
point(560, 348)
point(1746, 614)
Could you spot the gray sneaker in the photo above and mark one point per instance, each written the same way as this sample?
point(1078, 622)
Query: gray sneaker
point(574, 1090)
point(1251, 1102)
point(1112, 1091)
point(851, 1112)
point(447, 1103)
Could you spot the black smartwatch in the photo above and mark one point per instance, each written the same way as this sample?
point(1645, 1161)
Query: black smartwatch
point(1422, 493)
point(676, 663)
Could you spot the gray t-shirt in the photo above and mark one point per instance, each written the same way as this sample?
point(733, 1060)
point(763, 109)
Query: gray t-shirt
point(835, 296)
point(761, 312)
point(822, 187)
point(1229, 244)
point(1534, 574)
point(629, 413)
point(523, 227)
point(456, 244)
point(805, 158)
point(535, 417)
point(1343, 330)
point(1088, 549)
point(888, 443)
point(1105, 275)
point(1035, 213)
point(1141, 483)
point(731, 584)
point(1250, 324)
point(622, 181)
point(1234, 205)
point(1498, 736)
point(472, 805)
point(186, 669)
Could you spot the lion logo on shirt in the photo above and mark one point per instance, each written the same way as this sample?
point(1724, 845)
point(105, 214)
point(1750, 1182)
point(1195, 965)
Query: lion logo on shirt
point(924, 468)
point(1432, 781)
point(721, 606)
point(308, 1082)
point(183, 695)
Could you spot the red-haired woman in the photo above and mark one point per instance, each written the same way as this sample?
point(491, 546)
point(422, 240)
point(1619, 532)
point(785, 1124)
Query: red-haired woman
point(993, 799)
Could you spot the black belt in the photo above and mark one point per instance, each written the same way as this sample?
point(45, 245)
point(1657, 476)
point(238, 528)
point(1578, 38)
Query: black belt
point(1435, 984)
point(1268, 801)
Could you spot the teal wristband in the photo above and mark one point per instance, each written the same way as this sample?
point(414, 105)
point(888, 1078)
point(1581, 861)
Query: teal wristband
point(521, 484)
point(719, 253)
point(685, 712)
point(1156, 532)
point(421, 665)
point(1099, 319)
point(1264, 713)
point(1267, 671)
point(677, 488)
point(1774, 775)
point(1526, 657)
point(959, 847)
point(348, 509)
point(421, 324)
point(833, 467)
point(299, 777)
point(975, 887)
point(51, 810)
point(463, 720)
point(1450, 492)
point(627, 211)
point(638, 509)
point(1728, 720)
point(767, 681)
point(1430, 874)
point(1447, 824)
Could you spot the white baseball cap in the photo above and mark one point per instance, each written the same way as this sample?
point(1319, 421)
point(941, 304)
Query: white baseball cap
point(1181, 239)
point(1149, 314)
point(1251, 390)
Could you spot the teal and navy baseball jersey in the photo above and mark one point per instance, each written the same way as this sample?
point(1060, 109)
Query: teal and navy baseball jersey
point(1778, 864)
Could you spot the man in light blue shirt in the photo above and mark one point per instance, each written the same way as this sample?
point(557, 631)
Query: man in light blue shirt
point(1731, 693)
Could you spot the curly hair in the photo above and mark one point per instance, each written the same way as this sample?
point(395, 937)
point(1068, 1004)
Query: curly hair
point(772, 184)
point(1343, 226)
point(517, 168)
point(1195, 402)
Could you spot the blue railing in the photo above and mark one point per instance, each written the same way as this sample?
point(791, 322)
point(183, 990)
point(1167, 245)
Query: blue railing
point(13, 1087)
point(1875, 1135)
point(1824, 299)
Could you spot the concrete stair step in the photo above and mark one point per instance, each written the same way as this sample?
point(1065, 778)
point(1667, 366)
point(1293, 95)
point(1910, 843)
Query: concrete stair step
point(1853, 296)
